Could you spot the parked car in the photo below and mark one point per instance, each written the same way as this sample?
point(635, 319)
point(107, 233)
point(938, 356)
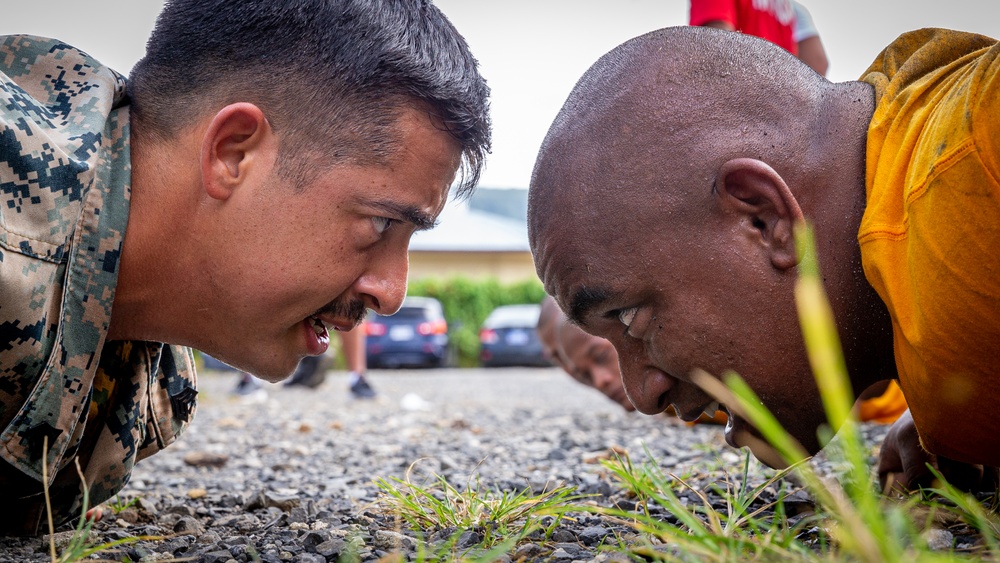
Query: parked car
point(414, 336)
point(508, 337)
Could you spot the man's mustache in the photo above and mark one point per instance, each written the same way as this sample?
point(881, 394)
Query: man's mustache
point(353, 310)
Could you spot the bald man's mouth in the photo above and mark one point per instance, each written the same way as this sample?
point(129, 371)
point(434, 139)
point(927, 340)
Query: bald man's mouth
point(740, 434)
point(693, 414)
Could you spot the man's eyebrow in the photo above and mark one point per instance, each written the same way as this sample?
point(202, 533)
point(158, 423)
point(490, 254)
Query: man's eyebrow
point(585, 300)
point(411, 214)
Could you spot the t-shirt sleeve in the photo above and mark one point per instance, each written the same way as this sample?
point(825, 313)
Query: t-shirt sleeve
point(704, 11)
point(985, 125)
point(804, 26)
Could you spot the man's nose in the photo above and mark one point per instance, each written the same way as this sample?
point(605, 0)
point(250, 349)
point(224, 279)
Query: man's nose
point(647, 387)
point(383, 285)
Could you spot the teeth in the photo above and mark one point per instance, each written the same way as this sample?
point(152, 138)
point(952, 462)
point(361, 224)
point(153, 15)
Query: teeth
point(711, 409)
point(318, 326)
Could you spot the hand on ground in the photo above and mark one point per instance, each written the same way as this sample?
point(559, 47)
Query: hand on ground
point(903, 464)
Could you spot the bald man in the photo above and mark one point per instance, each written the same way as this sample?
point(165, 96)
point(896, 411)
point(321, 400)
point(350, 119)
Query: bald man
point(662, 210)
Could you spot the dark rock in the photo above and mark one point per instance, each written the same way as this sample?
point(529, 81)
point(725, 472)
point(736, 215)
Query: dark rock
point(468, 539)
point(188, 525)
point(593, 535)
point(218, 556)
point(205, 459)
point(181, 509)
point(331, 549)
point(209, 537)
point(528, 551)
point(574, 550)
point(390, 540)
point(561, 554)
point(311, 539)
point(561, 534)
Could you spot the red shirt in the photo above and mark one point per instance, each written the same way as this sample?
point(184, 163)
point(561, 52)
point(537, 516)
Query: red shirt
point(772, 20)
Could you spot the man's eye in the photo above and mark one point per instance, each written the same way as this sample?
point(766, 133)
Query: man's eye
point(382, 224)
point(626, 316)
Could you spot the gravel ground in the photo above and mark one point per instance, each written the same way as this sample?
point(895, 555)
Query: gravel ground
point(288, 475)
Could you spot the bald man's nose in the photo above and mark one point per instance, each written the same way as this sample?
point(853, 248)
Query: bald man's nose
point(647, 388)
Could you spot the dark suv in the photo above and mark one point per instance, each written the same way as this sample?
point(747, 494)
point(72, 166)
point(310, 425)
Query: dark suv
point(415, 336)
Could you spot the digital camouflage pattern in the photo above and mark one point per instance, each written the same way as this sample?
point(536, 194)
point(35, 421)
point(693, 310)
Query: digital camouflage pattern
point(64, 205)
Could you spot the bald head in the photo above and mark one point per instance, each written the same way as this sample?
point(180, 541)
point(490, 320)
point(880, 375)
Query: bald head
point(662, 209)
point(653, 121)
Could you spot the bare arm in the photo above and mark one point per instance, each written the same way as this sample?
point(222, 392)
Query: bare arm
point(719, 24)
point(812, 53)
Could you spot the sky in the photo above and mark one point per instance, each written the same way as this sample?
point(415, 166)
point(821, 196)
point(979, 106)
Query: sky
point(531, 51)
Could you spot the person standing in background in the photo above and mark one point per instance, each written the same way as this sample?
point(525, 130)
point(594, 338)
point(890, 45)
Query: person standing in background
point(311, 372)
point(785, 23)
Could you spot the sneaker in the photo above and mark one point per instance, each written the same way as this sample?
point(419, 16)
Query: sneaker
point(309, 373)
point(250, 390)
point(362, 390)
point(247, 385)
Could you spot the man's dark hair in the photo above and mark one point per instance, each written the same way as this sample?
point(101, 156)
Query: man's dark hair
point(332, 75)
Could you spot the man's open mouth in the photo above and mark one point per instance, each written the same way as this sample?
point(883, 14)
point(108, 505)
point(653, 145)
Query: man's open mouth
point(319, 326)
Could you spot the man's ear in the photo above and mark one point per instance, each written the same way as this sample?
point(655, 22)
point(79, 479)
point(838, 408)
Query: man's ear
point(235, 136)
point(751, 188)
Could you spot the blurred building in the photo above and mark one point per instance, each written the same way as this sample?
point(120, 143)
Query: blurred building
point(483, 236)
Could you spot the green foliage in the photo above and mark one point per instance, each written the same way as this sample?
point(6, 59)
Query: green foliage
point(500, 518)
point(748, 528)
point(118, 505)
point(466, 304)
point(81, 544)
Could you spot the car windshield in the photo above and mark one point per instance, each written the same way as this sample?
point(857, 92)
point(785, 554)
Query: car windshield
point(513, 316)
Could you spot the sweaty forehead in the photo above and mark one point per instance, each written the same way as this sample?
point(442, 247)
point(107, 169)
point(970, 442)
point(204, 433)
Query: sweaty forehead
point(584, 276)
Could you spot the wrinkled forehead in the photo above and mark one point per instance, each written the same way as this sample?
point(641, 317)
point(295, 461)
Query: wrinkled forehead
point(586, 228)
point(608, 186)
point(576, 258)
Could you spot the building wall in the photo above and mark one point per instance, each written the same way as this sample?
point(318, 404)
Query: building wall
point(507, 267)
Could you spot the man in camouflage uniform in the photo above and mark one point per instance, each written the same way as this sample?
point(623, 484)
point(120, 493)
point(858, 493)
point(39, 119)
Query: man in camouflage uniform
point(255, 182)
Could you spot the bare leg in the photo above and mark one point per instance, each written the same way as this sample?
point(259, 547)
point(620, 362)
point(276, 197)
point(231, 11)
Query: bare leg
point(353, 344)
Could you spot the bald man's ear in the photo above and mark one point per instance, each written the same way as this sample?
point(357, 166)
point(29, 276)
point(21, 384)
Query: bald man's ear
point(236, 139)
point(753, 190)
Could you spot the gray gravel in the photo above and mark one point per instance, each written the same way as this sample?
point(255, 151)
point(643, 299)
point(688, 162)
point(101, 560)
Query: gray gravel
point(289, 475)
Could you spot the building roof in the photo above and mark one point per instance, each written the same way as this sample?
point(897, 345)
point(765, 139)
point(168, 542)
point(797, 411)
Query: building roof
point(463, 229)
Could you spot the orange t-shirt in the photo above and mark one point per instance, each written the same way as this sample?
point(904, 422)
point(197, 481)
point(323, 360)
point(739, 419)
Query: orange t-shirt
point(930, 235)
point(885, 408)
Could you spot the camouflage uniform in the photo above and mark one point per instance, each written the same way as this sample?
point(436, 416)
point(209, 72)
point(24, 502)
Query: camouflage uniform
point(64, 204)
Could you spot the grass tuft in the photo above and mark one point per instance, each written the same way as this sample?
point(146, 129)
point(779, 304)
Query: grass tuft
point(81, 544)
point(499, 519)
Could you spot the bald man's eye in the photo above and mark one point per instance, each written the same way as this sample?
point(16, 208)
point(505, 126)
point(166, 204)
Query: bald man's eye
point(626, 316)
